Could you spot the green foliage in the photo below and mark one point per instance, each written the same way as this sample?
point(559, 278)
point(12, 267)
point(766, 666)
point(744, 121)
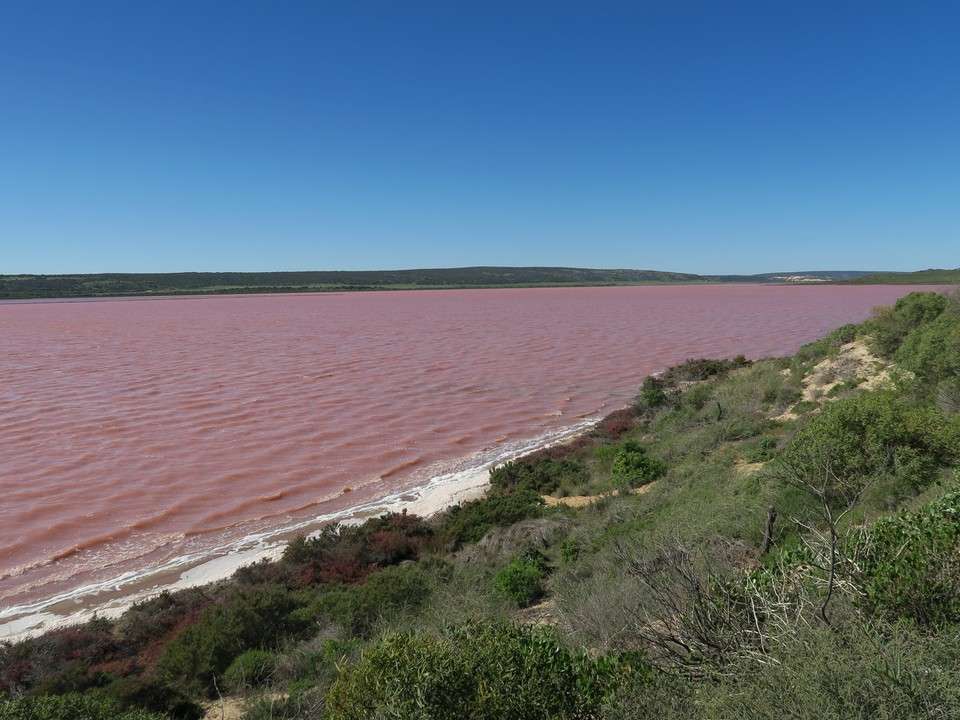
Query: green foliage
point(388, 593)
point(932, 351)
point(805, 406)
point(509, 672)
point(250, 668)
point(652, 393)
point(819, 349)
point(871, 436)
point(149, 621)
point(153, 694)
point(68, 660)
point(255, 619)
point(633, 467)
point(521, 581)
point(570, 550)
point(71, 707)
point(543, 476)
point(470, 521)
point(696, 370)
point(889, 326)
point(763, 450)
point(910, 563)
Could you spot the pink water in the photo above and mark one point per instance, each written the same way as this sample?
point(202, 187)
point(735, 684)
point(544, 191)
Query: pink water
point(133, 432)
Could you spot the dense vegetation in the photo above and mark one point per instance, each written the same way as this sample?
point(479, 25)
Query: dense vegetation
point(209, 283)
point(119, 284)
point(771, 539)
point(921, 277)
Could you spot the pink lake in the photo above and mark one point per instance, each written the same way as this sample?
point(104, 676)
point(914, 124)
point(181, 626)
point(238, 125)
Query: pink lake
point(145, 434)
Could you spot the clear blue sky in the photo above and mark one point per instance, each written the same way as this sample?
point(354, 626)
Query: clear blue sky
point(709, 137)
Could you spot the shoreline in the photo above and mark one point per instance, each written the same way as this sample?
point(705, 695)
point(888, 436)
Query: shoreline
point(466, 479)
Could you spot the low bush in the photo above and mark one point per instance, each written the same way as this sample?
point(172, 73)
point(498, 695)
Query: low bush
point(818, 349)
point(153, 694)
point(389, 593)
point(470, 521)
point(521, 581)
point(763, 450)
point(889, 326)
point(348, 554)
point(503, 671)
point(633, 467)
point(932, 351)
point(254, 619)
point(71, 707)
point(249, 669)
point(909, 564)
point(872, 436)
point(542, 476)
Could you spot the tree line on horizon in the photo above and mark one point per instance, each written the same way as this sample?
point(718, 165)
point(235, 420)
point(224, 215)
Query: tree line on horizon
point(39, 286)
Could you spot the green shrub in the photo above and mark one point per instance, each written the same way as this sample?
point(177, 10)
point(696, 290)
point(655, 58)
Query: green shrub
point(871, 436)
point(71, 707)
point(652, 392)
point(805, 406)
point(765, 449)
point(470, 521)
point(696, 370)
point(932, 351)
point(889, 326)
point(250, 668)
point(509, 672)
point(521, 581)
point(910, 563)
point(254, 619)
point(632, 467)
point(385, 594)
point(542, 476)
point(347, 554)
point(153, 694)
point(570, 550)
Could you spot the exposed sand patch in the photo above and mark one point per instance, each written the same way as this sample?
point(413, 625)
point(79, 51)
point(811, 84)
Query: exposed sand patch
point(231, 708)
point(853, 363)
point(748, 468)
point(224, 709)
point(580, 501)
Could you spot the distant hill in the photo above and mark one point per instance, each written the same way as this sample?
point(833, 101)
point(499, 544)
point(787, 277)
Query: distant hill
point(209, 283)
point(792, 277)
point(119, 284)
point(921, 277)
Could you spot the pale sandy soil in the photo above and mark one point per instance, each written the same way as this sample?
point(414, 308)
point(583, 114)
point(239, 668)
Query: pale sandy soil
point(579, 501)
point(230, 708)
point(853, 362)
point(748, 468)
point(225, 709)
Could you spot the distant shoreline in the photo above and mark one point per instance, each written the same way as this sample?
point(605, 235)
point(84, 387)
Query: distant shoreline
point(115, 285)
